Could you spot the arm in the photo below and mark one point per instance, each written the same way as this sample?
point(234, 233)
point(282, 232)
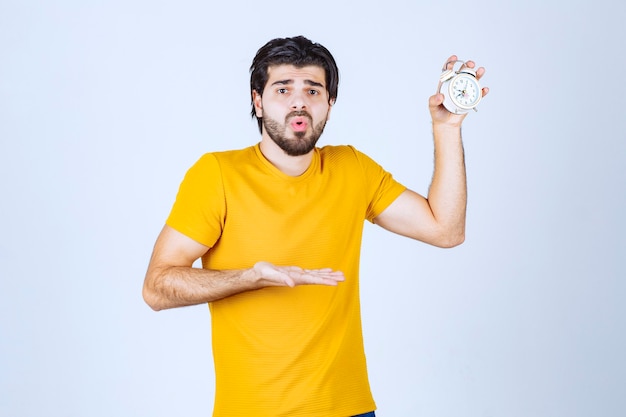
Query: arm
point(171, 281)
point(438, 219)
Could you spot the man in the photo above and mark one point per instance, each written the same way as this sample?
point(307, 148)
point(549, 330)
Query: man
point(278, 227)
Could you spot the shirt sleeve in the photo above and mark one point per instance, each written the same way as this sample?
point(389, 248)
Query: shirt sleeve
point(200, 207)
point(381, 188)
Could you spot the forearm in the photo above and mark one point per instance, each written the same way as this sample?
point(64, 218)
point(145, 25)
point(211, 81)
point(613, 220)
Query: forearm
point(447, 195)
point(179, 286)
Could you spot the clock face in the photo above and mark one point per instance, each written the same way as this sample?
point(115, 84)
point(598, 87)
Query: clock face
point(465, 91)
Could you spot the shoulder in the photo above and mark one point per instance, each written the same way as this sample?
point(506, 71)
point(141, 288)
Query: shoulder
point(345, 153)
point(209, 166)
point(337, 149)
point(342, 152)
point(230, 155)
point(212, 161)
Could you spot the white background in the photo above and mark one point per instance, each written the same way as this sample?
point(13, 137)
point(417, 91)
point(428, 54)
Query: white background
point(105, 104)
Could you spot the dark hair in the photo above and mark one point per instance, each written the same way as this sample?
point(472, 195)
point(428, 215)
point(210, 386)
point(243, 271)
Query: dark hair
point(297, 51)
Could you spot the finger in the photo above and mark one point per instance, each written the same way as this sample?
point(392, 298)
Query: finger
point(449, 64)
point(324, 277)
point(322, 272)
point(276, 275)
point(281, 278)
point(436, 100)
point(289, 281)
point(335, 276)
point(332, 280)
point(287, 278)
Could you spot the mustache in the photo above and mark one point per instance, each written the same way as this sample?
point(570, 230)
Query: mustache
point(299, 113)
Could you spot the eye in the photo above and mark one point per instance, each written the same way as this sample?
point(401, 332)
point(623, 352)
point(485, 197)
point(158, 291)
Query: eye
point(282, 91)
point(313, 92)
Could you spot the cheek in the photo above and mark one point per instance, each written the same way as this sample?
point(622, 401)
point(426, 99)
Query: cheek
point(266, 109)
point(322, 113)
point(328, 112)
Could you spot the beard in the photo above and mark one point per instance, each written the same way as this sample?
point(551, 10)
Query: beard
point(300, 144)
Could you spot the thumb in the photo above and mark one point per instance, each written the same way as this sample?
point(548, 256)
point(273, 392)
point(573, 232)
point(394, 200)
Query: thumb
point(436, 100)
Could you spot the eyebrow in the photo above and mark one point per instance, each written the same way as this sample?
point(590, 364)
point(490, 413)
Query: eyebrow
point(307, 82)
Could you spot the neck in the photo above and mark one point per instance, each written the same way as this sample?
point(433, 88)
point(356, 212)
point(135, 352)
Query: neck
point(290, 165)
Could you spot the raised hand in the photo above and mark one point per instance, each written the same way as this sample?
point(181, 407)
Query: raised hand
point(439, 114)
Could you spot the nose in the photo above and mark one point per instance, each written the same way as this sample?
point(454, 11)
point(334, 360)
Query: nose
point(298, 101)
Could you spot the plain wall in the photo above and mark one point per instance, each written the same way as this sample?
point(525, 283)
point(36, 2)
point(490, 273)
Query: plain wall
point(105, 104)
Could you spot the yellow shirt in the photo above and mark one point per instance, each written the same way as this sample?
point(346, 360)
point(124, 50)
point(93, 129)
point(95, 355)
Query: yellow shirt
point(284, 351)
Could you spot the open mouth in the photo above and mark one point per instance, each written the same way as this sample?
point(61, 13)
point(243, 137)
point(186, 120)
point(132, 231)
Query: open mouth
point(299, 124)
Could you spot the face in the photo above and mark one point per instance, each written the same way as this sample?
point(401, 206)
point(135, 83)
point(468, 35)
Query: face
point(294, 107)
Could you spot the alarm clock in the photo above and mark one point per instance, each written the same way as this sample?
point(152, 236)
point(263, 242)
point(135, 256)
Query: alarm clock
point(460, 88)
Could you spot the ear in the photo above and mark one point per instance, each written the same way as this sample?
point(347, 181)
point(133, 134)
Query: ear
point(258, 103)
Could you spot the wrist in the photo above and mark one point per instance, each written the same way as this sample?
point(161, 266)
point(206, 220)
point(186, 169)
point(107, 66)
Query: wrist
point(447, 127)
point(251, 278)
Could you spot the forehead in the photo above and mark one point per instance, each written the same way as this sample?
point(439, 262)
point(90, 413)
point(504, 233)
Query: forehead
point(285, 72)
